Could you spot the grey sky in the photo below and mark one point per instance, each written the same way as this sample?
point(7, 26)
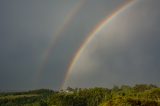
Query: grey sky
point(27, 27)
point(125, 51)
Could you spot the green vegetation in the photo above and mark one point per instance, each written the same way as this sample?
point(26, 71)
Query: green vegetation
point(30, 98)
point(138, 95)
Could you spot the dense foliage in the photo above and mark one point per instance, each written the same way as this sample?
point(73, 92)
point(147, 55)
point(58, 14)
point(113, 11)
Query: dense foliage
point(138, 95)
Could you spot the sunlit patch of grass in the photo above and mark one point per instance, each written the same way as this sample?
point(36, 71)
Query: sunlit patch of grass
point(18, 96)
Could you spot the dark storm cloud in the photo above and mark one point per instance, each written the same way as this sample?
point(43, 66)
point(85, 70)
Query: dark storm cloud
point(28, 27)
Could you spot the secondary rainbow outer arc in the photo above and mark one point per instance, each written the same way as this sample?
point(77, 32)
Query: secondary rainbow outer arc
point(57, 36)
point(92, 34)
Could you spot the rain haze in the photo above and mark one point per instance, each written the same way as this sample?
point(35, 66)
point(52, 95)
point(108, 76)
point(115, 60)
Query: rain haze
point(39, 40)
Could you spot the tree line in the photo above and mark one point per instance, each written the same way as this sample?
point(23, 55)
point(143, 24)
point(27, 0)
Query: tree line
point(138, 95)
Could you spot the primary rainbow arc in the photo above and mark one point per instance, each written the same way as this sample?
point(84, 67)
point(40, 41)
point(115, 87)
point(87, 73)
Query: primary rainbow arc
point(92, 34)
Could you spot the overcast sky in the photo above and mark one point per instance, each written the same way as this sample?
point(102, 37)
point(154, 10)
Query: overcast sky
point(125, 51)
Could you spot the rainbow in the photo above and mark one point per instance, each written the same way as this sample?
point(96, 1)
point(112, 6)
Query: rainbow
point(91, 35)
point(56, 37)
